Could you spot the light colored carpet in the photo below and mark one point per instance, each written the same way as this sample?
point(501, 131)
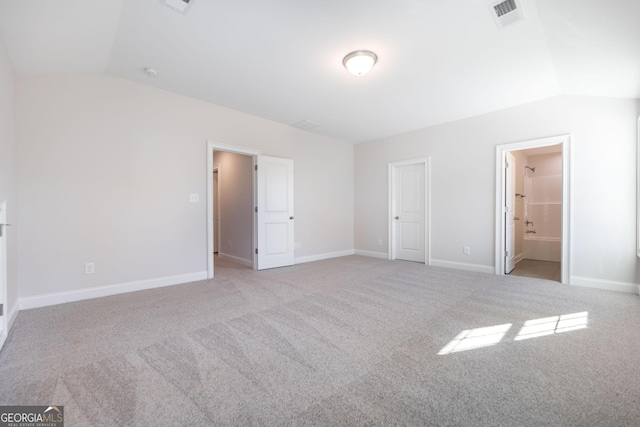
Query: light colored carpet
point(348, 341)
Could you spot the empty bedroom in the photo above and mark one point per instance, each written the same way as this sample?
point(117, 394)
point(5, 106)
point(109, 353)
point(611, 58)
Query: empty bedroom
point(339, 213)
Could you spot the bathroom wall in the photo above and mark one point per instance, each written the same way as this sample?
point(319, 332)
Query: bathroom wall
point(521, 160)
point(543, 207)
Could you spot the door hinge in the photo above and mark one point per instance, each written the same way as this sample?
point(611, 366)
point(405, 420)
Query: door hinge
point(256, 251)
point(506, 253)
point(1, 309)
point(256, 209)
point(506, 165)
point(256, 167)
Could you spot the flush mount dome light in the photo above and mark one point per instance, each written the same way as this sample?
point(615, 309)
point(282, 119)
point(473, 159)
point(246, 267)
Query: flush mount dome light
point(360, 62)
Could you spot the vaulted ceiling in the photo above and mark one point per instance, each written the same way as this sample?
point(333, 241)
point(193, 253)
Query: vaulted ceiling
point(439, 61)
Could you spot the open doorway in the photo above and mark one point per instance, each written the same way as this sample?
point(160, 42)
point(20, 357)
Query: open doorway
point(538, 213)
point(213, 233)
point(271, 228)
point(233, 207)
point(532, 209)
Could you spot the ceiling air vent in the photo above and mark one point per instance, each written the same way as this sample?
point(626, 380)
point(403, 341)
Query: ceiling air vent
point(179, 5)
point(305, 125)
point(506, 12)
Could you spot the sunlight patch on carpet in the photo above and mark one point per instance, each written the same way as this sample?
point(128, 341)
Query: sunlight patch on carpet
point(476, 338)
point(553, 325)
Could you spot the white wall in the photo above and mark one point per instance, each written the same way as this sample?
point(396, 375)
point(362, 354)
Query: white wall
point(8, 174)
point(106, 167)
point(235, 179)
point(462, 154)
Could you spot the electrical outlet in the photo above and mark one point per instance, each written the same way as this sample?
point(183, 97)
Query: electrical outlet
point(379, 242)
point(466, 250)
point(194, 198)
point(89, 268)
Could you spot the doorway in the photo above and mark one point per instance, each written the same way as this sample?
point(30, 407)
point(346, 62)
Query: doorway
point(532, 209)
point(216, 210)
point(271, 209)
point(409, 210)
point(233, 207)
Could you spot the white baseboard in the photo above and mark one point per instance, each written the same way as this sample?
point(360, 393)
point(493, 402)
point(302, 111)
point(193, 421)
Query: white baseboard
point(381, 255)
point(518, 258)
point(463, 266)
point(311, 258)
point(103, 291)
point(242, 261)
point(607, 285)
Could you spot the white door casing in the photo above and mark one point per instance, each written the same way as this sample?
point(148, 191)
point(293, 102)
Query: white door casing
point(509, 212)
point(211, 234)
point(408, 210)
point(565, 141)
point(275, 213)
point(3, 274)
point(216, 209)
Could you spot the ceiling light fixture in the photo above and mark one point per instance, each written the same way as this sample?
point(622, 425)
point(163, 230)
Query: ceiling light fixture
point(360, 62)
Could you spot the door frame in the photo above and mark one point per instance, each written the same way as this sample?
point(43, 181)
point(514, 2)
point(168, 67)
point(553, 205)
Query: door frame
point(217, 231)
point(565, 142)
point(426, 161)
point(218, 146)
point(4, 322)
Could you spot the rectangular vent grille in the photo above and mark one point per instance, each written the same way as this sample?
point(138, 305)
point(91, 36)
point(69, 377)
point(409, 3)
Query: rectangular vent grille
point(506, 12)
point(179, 5)
point(505, 7)
point(305, 125)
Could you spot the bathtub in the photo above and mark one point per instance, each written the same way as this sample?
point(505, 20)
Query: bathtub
point(542, 248)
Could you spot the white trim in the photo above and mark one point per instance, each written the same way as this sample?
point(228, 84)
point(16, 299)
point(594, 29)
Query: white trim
point(607, 285)
point(372, 254)
point(218, 146)
point(319, 257)
point(217, 233)
point(4, 324)
point(242, 261)
point(638, 194)
point(462, 266)
point(13, 313)
point(518, 258)
point(103, 291)
point(426, 161)
point(11, 317)
point(565, 141)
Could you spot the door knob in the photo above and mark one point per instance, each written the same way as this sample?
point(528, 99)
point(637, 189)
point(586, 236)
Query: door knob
point(397, 217)
point(290, 217)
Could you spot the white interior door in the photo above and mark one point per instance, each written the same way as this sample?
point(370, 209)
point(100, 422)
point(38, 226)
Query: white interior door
point(510, 212)
point(408, 211)
point(275, 221)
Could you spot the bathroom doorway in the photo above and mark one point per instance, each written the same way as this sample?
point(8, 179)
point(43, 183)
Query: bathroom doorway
point(538, 212)
point(532, 221)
